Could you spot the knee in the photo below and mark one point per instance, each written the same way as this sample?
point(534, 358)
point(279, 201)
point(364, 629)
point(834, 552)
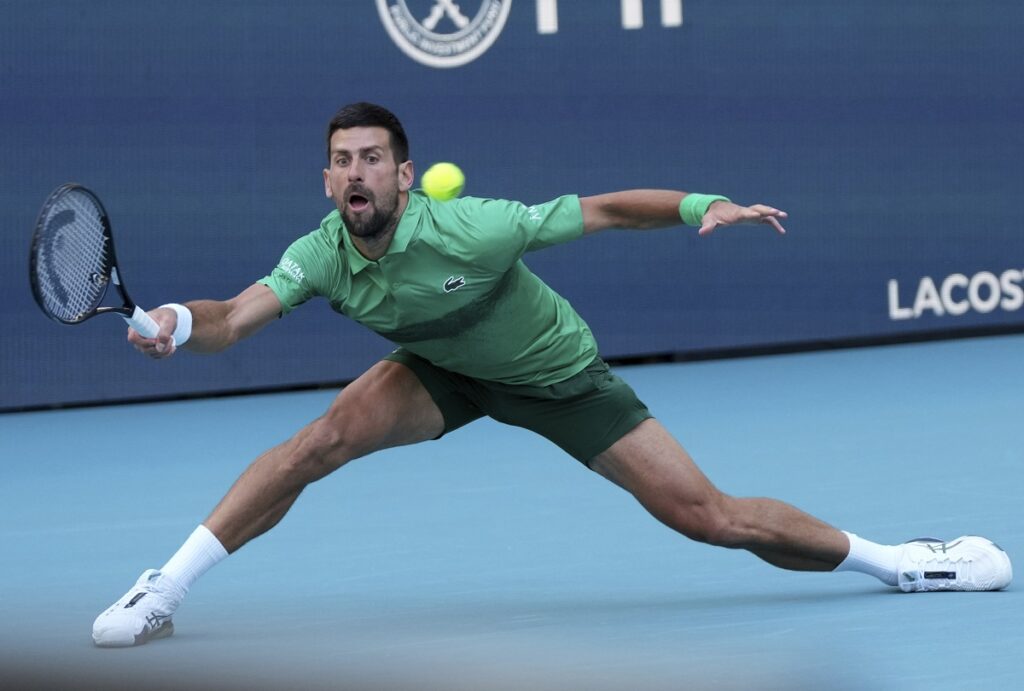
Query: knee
point(318, 450)
point(712, 521)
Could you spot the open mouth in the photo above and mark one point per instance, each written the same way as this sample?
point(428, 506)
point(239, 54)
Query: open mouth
point(358, 202)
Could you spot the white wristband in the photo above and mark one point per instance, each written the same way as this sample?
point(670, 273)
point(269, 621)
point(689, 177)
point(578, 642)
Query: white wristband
point(184, 328)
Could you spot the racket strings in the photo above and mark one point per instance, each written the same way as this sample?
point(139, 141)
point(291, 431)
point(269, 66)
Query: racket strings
point(73, 257)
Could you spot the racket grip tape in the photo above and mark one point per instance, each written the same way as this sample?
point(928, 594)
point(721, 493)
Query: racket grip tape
point(143, 323)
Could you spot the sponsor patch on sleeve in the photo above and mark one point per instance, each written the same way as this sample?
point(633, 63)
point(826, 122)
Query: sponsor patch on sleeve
point(292, 268)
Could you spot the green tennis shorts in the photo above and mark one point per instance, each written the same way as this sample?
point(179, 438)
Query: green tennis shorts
point(584, 415)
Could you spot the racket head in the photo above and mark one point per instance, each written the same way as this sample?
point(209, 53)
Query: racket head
point(72, 254)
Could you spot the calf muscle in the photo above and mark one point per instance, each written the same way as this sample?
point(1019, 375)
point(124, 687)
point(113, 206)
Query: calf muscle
point(652, 466)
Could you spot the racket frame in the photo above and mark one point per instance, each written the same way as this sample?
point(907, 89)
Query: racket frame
point(134, 315)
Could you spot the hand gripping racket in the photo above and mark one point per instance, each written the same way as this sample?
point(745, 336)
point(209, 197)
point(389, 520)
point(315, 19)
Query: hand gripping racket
point(72, 261)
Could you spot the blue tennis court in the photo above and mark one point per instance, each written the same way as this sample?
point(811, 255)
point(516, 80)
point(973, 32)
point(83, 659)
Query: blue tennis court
point(489, 560)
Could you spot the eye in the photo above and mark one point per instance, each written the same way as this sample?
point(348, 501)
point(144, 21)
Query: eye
point(372, 158)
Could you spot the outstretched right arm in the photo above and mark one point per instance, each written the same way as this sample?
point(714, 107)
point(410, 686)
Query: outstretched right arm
point(216, 324)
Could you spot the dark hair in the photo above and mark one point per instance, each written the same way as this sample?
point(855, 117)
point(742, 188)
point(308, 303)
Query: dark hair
point(370, 115)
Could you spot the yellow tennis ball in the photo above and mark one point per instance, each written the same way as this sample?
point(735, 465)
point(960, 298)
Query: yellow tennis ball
point(443, 181)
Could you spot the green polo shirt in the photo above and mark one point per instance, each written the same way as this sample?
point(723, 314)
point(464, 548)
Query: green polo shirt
point(452, 287)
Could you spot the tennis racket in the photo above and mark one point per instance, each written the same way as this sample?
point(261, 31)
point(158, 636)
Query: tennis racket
point(72, 261)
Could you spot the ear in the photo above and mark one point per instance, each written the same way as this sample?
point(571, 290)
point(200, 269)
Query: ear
point(327, 184)
point(406, 176)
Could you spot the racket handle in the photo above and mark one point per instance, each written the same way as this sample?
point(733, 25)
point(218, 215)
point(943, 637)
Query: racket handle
point(143, 323)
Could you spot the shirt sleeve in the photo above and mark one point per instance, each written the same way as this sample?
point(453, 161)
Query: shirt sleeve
point(303, 268)
point(499, 232)
point(543, 225)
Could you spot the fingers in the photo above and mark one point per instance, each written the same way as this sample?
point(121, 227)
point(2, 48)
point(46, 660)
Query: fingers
point(162, 345)
point(722, 215)
point(764, 210)
point(770, 215)
point(157, 348)
point(774, 223)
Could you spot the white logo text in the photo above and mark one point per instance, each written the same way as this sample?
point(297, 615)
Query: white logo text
point(958, 294)
point(293, 269)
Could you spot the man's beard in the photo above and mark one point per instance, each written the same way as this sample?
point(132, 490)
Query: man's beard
point(377, 224)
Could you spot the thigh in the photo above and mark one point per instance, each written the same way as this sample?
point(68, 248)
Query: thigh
point(649, 463)
point(386, 406)
point(455, 395)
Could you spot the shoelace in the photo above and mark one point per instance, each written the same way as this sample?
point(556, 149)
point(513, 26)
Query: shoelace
point(160, 585)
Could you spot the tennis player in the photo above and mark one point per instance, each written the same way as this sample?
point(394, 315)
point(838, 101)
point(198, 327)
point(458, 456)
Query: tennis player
point(479, 334)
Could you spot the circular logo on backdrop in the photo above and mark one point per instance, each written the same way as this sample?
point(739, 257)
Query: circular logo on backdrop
point(444, 33)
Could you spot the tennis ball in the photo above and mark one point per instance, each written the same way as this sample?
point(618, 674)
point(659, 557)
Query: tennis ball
point(443, 181)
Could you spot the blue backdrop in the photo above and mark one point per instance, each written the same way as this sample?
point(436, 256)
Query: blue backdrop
point(890, 133)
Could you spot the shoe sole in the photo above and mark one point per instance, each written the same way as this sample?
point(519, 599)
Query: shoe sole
point(163, 631)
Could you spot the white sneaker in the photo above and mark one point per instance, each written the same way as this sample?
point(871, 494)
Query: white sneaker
point(142, 615)
point(966, 563)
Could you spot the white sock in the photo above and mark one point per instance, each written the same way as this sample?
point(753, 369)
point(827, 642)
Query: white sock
point(201, 551)
point(880, 561)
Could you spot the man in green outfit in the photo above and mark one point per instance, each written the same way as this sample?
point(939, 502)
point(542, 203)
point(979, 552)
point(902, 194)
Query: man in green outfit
point(479, 334)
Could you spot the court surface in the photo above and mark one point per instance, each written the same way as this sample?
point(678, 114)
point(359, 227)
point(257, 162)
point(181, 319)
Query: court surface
point(489, 560)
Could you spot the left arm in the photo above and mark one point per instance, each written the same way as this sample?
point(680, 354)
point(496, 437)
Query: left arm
point(647, 209)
